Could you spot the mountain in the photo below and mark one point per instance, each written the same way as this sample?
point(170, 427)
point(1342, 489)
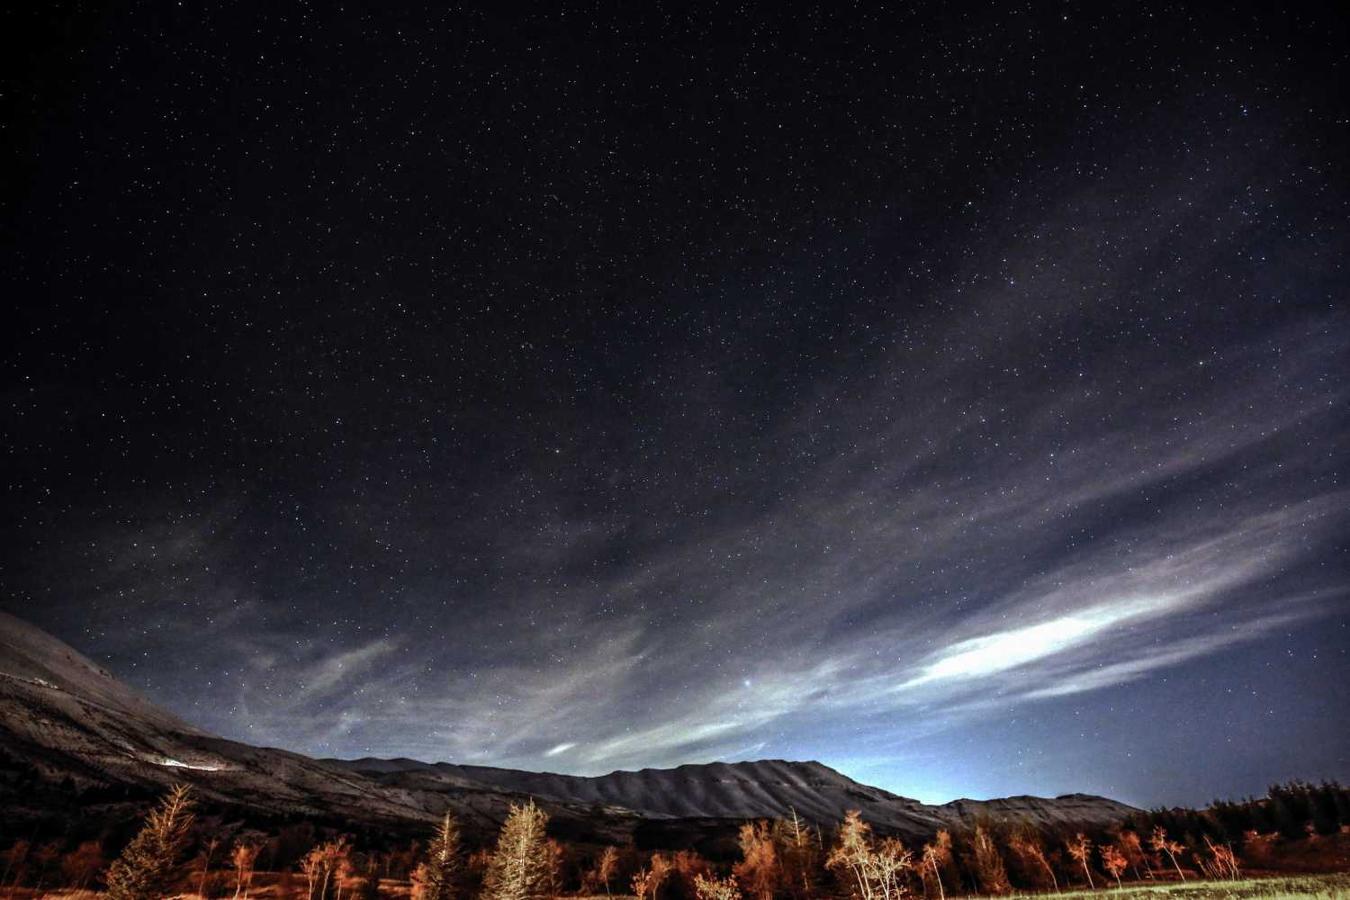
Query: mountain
point(771, 788)
point(74, 740)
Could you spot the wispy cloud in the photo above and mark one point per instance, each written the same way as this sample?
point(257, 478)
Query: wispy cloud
point(1079, 563)
point(981, 517)
point(342, 668)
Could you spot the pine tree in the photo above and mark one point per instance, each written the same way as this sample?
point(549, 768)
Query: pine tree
point(438, 877)
point(522, 866)
point(799, 856)
point(145, 869)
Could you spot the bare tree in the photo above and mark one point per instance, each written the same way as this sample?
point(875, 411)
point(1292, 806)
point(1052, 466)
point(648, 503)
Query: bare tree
point(1027, 845)
point(208, 851)
point(244, 857)
point(606, 867)
point(937, 856)
point(1160, 844)
point(1223, 860)
point(648, 880)
point(853, 854)
point(758, 871)
point(641, 883)
point(874, 870)
point(989, 868)
point(324, 865)
point(714, 888)
point(1080, 848)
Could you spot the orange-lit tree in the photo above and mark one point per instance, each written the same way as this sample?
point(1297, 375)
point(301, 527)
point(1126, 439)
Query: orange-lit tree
point(712, 888)
point(647, 881)
point(1223, 860)
point(1160, 844)
point(146, 868)
point(209, 848)
point(1027, 845)
point(606, 867)
point(937, 855)
point(798, 856)
point(1080, 848)
point(758, 871)
point(988, 863)
point(82, 864)
point(244, 857)
point(1134, 852)
point(873, 871)
point(1114, 861)
point(523, 864)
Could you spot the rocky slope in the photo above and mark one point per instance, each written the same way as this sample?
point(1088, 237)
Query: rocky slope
point(71, 735)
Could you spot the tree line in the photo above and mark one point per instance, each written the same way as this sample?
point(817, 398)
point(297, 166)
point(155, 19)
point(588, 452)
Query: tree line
point(778, 860)
point(1292, 811)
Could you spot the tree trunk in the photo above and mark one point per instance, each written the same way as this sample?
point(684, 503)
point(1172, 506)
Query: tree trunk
point(1051, 872)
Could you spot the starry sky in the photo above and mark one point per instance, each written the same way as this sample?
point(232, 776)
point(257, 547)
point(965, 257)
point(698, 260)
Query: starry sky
point(952, 394)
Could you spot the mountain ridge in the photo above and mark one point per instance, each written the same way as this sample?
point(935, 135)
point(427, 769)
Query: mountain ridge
point(66, 721)
point(389, 764)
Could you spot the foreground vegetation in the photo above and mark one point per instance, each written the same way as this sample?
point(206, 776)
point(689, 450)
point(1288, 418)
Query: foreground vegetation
point(1270, 888)
point(1181, 854)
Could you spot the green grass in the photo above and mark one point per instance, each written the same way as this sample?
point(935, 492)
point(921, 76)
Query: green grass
point(1320, 887)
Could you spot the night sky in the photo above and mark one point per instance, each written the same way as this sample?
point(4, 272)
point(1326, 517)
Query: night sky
point(954, 396)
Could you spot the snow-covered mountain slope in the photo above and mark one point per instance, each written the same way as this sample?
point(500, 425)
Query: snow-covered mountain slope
point(34, 658)
point(67, 720)
point(70, 731)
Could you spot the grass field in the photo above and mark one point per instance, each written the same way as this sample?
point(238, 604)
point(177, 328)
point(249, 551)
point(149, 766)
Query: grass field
point(1323, 887)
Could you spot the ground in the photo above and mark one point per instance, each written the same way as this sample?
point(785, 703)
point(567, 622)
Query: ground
point(1317, 887)
point(1324, 887)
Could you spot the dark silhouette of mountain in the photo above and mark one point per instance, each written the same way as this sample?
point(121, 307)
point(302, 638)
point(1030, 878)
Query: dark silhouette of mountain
point(73, 739)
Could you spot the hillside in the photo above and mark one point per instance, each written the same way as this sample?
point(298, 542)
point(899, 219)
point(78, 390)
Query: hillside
point(72, 736)
point(772, 788)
